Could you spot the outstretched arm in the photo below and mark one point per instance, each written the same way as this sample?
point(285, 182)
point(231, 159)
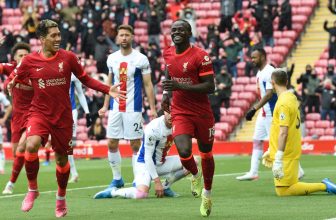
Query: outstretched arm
point(150, 93)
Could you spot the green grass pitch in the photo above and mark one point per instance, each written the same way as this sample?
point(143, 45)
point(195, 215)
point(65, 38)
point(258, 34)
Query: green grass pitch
point(231, 199)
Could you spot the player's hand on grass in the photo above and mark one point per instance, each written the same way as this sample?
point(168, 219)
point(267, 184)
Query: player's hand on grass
point(158, 188)
point(170, 85)
point(250, 114)
point(278, 165)
point(88, 120)
point(266, 159)
point(116, 93)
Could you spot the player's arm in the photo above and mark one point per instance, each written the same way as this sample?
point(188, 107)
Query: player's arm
point(8, 109)
point(149, 144)
point(261, 103)
point(103, 110)
point(147, 81)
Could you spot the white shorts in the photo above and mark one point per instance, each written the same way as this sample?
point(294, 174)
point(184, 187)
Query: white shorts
point(74, 125)
point(262, 127)
point(142, 176)
point(124, 125)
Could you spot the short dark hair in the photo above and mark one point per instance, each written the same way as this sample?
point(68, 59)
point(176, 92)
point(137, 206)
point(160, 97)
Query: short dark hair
point(20, 46)
point(261, 51)
point(43, 27)
point(280, 77)
point(126, 27)
point(186, 22)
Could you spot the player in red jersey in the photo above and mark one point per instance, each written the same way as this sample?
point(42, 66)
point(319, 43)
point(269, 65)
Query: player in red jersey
point(50, 113)
point(21, 99)
point(191, 73)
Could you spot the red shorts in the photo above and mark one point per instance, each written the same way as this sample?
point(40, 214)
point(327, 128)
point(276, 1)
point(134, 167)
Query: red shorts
point(198, 127)
point(60, 137)
point(18, 125)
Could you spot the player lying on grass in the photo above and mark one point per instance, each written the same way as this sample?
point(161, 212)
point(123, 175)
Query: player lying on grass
point(284, 152)
point(152, 163)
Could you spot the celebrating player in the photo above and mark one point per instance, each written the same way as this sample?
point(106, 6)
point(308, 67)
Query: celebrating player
point(50, 113)
point(21, 98)
point(76, 85)
point(152, 163)
point(264, 119)
point(130, 68)
point(284, 152)
point(190, 69)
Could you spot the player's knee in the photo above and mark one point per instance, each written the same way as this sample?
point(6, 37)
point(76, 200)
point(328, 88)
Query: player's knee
point(135, 145)
point(20, 149)
point(281, 191)
point(113, 145)
point(61, 160)
point(206, 156)
point(140, 194)
point(258, 144)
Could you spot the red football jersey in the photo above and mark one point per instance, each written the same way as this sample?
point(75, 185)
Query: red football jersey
point(187, 68)
point(50, 78)
point(7, 68)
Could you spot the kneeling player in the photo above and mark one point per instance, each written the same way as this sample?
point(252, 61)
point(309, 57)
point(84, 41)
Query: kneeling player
point(152, 164)
point(285, 144)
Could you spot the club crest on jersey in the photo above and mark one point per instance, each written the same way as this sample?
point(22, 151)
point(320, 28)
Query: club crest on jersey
point(60, 67)
point(123, 72)
point(185, 67)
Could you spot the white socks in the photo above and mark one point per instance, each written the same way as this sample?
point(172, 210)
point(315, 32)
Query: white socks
point(129, 193)
point(255, 160)
point(114, 159)
point(206, 193)
point(2, 160)
point(73, 169)
point(175, 176)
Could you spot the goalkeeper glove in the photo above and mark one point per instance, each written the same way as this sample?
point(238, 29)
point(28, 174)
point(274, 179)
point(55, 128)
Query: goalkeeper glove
point(250, 114)
point(88, 120)
point(277, 165)
point(266, 159)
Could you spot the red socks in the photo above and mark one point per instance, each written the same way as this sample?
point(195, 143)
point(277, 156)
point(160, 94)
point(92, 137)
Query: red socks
point(17, 166)
point(190, 164)
point(32, 166)
point(62, 174)
point(208, 169)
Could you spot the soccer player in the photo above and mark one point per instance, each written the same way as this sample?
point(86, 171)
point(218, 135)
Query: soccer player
point(192, 79)
point(152, 163)
point(76, 87)
point(21, 98)
point(50, 113)
point(284, 152)
point(8, 109)
point(130, 68)
point(266, 104)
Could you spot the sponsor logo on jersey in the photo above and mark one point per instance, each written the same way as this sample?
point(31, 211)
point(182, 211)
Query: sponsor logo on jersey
point(207, 60)
point(123, 72)
point(51, 82)
point(282, 116)
point(184, 80)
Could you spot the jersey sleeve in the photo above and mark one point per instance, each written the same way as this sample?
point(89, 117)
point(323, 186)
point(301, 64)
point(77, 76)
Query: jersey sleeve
point(205, 67)
point(22, 70)
point(284, 116)
point(145, 67)
point(109, 64)
point(78, 71)
point(149, 145)
point(269, 80)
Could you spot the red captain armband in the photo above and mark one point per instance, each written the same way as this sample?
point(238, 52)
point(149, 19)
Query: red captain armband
point(206, 73)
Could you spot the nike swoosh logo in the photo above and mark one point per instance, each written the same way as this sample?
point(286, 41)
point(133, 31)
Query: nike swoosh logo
point(168, 65)
point(38, 69)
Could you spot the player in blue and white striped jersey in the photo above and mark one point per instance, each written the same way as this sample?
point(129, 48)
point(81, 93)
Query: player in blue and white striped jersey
point(76, 88)
point(152, 163)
